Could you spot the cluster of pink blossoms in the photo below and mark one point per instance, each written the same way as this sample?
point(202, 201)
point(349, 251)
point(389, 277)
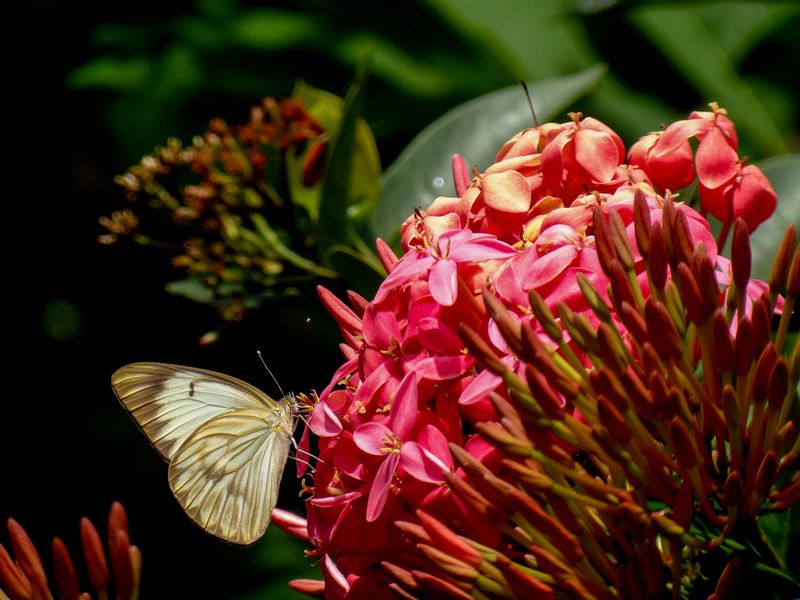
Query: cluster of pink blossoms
point(409, 386)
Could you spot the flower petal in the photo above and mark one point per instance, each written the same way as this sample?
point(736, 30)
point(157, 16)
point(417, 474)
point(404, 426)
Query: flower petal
point(372, 438)
point(443, 282)
point(381, 486)
point(405, 407)
point(441, 368)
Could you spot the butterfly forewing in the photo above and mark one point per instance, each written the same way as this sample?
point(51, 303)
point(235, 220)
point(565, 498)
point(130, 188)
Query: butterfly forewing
point(226, 441)
point(214, 473)
point(169, 402)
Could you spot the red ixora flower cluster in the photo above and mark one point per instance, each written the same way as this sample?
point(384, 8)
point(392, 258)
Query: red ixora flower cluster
point(410, 390)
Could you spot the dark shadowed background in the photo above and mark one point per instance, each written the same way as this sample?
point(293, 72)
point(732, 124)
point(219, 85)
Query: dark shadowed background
point(94, 86)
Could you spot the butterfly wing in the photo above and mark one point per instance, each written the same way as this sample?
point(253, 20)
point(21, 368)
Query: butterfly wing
point(226, 441)
point(169, 402)
point(227, 473)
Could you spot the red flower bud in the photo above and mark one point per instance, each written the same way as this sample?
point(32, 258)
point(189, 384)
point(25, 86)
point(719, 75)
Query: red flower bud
point(28, 559)
point(658, 258)
point(740, 254)
point(95, 556)
point(64, 571)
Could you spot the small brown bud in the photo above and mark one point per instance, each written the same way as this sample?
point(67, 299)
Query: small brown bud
point(663, 333)
point(398, 573)
point(634, 322)
point(743, 347)
point(446, 539)
point(413, 531)
point(610, 351)
point(642, 223)
point(544, 316)
point(640, 396)
point(652, 362)
point(658, 258)
point(793, 283)
point(606, 252)
point(478, 347)
point(740, 255)
point(559, 535)
point(761, 320)
point(683, 238)
point(620, 285)
point(730, 406)
point(783, 259)
point(522, 584)
point(763, 373)
point(734, 489)
point(778, 384)
point(436, 587)
point(668, 223)
point(550, 403)
point(690, 293)
point(707, 283)
point(620, 238)
point(597, 304)
point(661, 395)
point(612, 420)
point(507, 325)
point(682, 445)
point(721, 342)
point(448, 563)
point(767, 473)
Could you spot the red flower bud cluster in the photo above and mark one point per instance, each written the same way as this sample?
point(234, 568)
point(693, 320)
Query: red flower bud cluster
point(25, 579)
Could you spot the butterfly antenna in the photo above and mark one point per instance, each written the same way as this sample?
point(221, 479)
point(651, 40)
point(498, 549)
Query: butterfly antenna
point(530, 102)
point(263, 362)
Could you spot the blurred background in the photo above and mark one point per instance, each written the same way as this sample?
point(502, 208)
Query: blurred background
point(94, 86)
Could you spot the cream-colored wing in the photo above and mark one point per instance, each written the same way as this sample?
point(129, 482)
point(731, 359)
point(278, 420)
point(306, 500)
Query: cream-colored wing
point(226, 474)
point(170, 402)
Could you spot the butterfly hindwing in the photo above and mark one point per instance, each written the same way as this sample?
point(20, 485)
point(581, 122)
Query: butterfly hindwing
point(226, 441)
point(226, 475)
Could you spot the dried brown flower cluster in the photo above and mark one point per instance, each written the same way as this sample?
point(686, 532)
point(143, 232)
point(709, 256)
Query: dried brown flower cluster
point(230, 220)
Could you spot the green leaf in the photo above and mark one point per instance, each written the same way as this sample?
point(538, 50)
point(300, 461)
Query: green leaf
point(783, 173)
point(267, 29)
point(191, 288)
point(365, 165)
point(111, 73)
point(688, 41)
point(776, 530)
point(476, 130)
point(395, 65)
point(536, 39)
point(351, 186)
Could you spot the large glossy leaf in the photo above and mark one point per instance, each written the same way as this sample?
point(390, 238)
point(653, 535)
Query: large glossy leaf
point(783, 173)
point(476, 130)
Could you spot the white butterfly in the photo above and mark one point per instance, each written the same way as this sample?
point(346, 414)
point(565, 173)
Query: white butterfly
point(226, 442)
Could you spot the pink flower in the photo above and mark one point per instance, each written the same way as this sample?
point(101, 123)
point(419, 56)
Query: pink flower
point(412, 390)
